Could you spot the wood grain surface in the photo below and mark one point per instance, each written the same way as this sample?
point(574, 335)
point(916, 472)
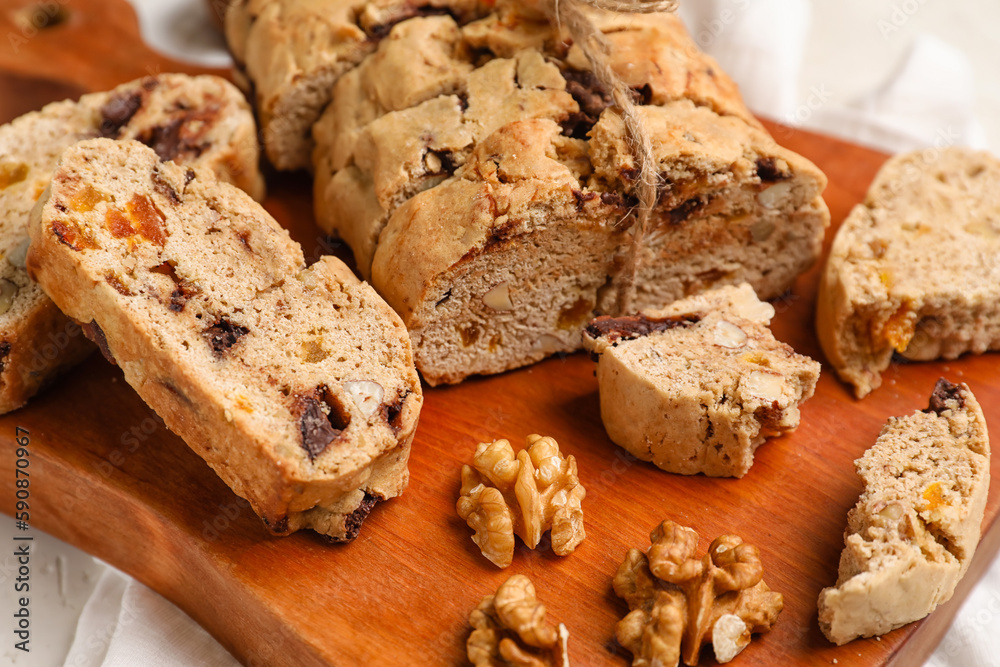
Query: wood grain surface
point(107, 477)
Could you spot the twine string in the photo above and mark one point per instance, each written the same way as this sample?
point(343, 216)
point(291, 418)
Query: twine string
point(596, 49)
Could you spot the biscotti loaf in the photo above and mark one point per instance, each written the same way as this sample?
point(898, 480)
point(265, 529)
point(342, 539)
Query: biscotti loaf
point(400, 124)
point(201, 120)
point(698, 386)
point(490, 186)
point(505, 262)
point(915, 528)
point(295, 384)
point(290, 53)
point(915, 268)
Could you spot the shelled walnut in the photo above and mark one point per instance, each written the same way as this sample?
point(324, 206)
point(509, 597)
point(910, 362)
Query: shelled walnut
point(679, 602)
point(509, 629)
point(525, 495)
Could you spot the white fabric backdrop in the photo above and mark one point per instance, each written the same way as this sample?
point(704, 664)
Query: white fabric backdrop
point(929, 100)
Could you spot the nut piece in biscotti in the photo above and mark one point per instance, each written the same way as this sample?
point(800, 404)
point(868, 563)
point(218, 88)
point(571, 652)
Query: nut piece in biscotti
point(678, 602)
point(290, 54)
point(509, 630)
point(200, 120)
point(913, 532)
point(295, 384)
point(915, 268)
point(698, 386)
point(537, 490)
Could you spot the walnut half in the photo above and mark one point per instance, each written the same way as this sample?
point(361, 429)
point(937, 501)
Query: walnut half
point(525, 495)
point(509, 628)
point(679, 602)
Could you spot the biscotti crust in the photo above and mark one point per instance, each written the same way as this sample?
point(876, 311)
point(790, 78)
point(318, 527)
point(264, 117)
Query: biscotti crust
point(224, 390)
point(201, 119)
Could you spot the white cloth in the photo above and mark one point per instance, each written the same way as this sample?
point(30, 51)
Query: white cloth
point(928, 101)
point(125, 623)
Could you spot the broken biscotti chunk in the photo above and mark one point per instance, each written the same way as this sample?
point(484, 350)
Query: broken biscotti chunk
point(295, 384)
point(509, 630)
point(698, 386)
point(915, 528)
point(915, 268)
point(485, 184)
point(679, 602)
point(525, 495)
point(200, 120)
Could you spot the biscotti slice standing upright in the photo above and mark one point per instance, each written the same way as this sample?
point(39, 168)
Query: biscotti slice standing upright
point(295, 384)
point(290, 54)
point(915, 268)
point(698, 386)
point(914, 530)
point(200, 120)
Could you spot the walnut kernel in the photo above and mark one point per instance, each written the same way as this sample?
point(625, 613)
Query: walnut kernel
point(18, 253)
point(525, 495)
point(367, 395)
point(498, 298)
point(509, 628)
point(8, 290)
point(729, 335)
point(679, 602)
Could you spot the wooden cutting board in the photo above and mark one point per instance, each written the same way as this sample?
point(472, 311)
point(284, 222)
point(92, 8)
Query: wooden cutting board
point(107, 477)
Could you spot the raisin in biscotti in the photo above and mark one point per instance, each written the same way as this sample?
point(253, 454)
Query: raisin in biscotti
point(915, 528)
point(915, 268)
point(698, 386)
point(200, 120)
point(295, 384)
point(290, 53)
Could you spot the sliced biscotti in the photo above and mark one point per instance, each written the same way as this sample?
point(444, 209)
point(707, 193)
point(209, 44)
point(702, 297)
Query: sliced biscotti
point(915, 528)
point(698, 386)
point(915, 268)
point(290, 53)
point(201, 120)
point(523, 245)
point(399, 124)
point(295, 384)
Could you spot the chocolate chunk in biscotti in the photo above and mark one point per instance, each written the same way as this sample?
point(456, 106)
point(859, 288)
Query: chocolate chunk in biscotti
point(295, 384)
point(214, 126)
